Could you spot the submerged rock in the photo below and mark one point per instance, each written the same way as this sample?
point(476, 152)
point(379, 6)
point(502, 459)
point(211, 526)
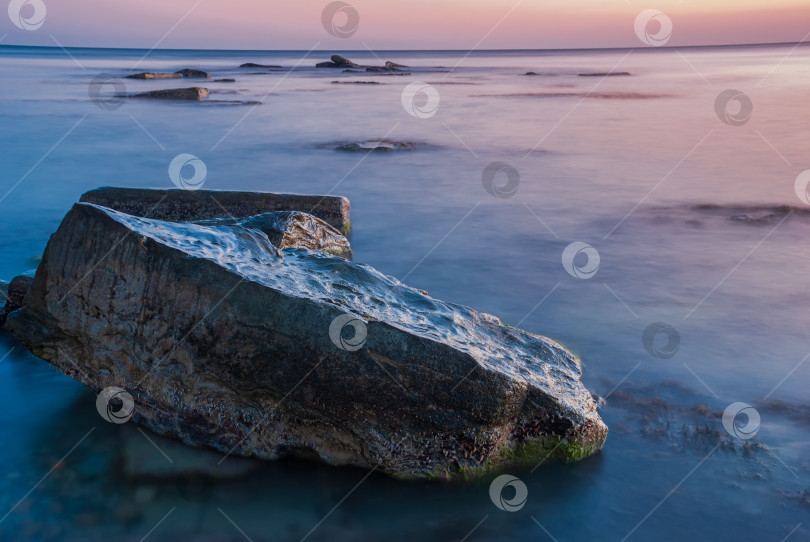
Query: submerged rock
point(15, 293)
point(153, 75)
point(252, 65)
point(196, 74)
point(164, 458)
point(225, 342)
point(226, 80)
point(383, 69)
point(193, 93)
point(605, 74)
point(383, 145)
point(195, 205)
point(394, 65)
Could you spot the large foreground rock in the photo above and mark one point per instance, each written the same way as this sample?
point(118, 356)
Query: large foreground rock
point(226, 342)
point(194, 205)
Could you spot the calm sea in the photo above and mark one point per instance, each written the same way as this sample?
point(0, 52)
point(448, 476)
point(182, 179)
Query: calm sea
point(687, 193)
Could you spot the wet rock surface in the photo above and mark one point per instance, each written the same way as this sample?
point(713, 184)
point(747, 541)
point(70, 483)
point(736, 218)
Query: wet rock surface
point(185, 205)
point(294, 229)
point(226, 342)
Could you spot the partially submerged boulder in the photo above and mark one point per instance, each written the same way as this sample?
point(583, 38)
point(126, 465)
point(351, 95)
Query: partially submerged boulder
point(194, 205)
point(252, 65)
point(382, 145)
point(224, 341)
point(193, 93)
point(605, 74)
point(194, 74)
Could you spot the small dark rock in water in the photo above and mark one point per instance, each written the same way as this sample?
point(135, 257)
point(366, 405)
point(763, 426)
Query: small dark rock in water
point(531, 73)
point(605, 74)
point(749, 219)
point(252, 65)
point(197, 74)
point(16, 291)
point(383, 145)
point(193, 93)
point(394, 65)
point(383, 69)
point(195, 205)
point(225, 80)
point(353, 71)
point(356, 83)
point(415, 387)
point(153, 75)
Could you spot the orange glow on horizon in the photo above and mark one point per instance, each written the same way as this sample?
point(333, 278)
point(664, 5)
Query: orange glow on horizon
point(415, 24)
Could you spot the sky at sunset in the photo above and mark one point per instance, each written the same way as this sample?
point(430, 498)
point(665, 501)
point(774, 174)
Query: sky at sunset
point(399, 24)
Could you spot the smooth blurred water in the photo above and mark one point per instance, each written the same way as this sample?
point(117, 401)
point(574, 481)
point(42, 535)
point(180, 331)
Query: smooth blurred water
point(618, 163)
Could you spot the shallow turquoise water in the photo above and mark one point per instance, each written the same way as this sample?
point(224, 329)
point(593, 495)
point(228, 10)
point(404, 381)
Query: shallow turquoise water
point(650, 145)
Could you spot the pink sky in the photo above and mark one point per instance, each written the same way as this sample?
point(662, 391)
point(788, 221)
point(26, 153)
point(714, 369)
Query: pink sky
point(405, 24)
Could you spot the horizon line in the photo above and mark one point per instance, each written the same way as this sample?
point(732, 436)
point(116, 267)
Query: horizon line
point(470, 51)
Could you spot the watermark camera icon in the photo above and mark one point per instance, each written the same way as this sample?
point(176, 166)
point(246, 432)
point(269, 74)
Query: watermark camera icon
point(497, 489)
point(349, 344)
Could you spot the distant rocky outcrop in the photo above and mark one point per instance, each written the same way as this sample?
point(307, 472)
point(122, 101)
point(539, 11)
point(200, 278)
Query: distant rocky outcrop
point(338, 61)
